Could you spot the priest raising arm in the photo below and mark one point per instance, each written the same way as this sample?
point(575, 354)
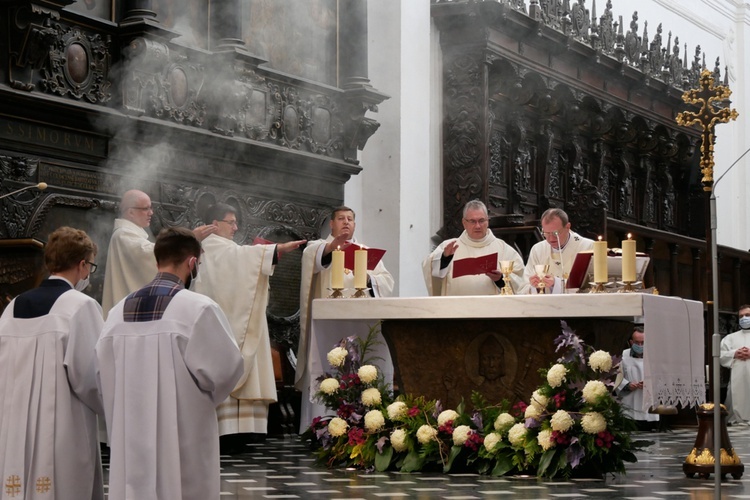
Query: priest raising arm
point(237, 278)
point(48, 394)
point(735, 355)
point(130, 258)
point(477, 240)
point(166, 358)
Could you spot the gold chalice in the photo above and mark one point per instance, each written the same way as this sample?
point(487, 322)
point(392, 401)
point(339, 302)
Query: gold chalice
point(506, 267)
point(541, 271)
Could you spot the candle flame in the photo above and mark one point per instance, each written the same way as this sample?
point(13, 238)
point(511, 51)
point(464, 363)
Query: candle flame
point(338, 247)
point(600, 238)
point(629, 235)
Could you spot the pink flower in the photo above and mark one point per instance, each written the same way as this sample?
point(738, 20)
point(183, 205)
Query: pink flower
point(413, 411)
point(356, 436)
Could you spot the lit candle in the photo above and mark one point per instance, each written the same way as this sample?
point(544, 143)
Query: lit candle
point(337, 269)
point(628, 259)
point(600, 261)
point(360, 268)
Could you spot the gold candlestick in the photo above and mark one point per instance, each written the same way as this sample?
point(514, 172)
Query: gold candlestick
point(541, 272)
point(506, 267)
point(361, 293)
point(336, 293)
point(597, 287)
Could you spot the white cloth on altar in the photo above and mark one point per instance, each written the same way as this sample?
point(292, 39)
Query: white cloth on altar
point(49, 400)
point(738, 396)
point(441, 282)
point(315, 284)
point(631, 370)
point(130, 263)
point(161, 382)
point(674, 371)
point(237, 278)
point(543, 253)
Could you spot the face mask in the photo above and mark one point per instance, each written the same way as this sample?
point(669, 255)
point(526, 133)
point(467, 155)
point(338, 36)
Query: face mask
point(637, 348)
point(745, 322)
point(82, 284)
point(193, 276)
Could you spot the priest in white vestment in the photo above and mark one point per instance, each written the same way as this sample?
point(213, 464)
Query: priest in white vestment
point(237, 278)
point(316, 283)
point(629, 384)
point(48, 393)
point(130, 258)
point(558, 250)
point(476, 240)
point(166, 358)
point(735, 355)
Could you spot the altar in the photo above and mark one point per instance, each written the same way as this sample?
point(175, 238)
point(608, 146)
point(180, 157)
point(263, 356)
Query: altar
point(446, 347)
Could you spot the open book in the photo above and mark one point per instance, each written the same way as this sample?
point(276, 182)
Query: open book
point(582, 271)
point(373, 256)
point(475, 265)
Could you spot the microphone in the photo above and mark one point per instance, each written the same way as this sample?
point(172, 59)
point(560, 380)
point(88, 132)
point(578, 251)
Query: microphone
point(41, 186)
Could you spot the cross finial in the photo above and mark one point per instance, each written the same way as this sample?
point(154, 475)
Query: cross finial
point(707, 117)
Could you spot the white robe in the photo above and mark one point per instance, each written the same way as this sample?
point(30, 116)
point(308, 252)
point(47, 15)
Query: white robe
point(130, 263)
point(237, 278)
point(441, 281)
point(316, 284)
point(738, 395)
point(543, 253)
point(161, 382)
point(49, 401)
point(631, 370)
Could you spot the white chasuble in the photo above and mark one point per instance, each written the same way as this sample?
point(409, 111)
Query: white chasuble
point(738, 395)
point(543, 253)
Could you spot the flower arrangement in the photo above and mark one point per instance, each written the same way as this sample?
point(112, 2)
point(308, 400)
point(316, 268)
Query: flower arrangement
point(571, 424)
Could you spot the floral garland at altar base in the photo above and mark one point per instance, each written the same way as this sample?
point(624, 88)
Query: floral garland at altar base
point(571, 425)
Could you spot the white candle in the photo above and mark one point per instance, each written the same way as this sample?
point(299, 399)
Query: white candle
point(628, 259)
point(360, 268)
point(600, 261)
point(337, 269)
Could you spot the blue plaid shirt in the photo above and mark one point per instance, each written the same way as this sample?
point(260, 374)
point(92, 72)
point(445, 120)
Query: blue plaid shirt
point(150, 302)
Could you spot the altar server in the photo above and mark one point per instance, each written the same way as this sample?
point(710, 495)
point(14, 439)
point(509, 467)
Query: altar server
point(237, 278)
point(48, 393)
point(166, 359)
point(558, 250)
point(630, 381)
point(735, 355)
point(477, 240)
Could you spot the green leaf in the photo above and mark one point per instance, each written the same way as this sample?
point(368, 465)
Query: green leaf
point(546, 459)
point(502, 466)
point(383, 460)
point(455, 452)
point(413, 462)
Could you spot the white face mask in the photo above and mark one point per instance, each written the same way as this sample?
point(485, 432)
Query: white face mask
point(745, 322)
point(82, 284)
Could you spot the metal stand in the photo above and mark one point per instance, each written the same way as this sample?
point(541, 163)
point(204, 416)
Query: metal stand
point(336, 293)
point(597, 287)
point(361, 293)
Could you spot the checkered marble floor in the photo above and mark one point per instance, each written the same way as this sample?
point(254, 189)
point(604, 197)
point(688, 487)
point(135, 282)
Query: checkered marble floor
point(285, 468)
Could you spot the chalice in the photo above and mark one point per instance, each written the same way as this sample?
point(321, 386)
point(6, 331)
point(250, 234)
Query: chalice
point(506, 267)
point(541, 272)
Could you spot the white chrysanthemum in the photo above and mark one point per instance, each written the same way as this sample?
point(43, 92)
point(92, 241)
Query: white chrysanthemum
point(556, 375)
point(336, 356)
point(397, 410)
point(329, 386)
point(544, 438)
point(600, 361)
point(426, 433)
point(503, 422)
point(491, 440)
point(593, 423)
point(374, 420)
point(532, 412)
point(539, 400)
point(337, 427)
point(517, 434)
point(398, 440)
point(593, 390)
point(367, 374)
point(461, 434)
point(447, 416)
point(371, 397)
point(561, 421)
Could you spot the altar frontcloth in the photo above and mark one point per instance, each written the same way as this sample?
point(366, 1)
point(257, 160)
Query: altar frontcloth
point(673, 359)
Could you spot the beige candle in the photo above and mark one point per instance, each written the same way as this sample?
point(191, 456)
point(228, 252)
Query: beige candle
point(600, 261)
point(628, 259)
point(360, 268)
point(337, 269)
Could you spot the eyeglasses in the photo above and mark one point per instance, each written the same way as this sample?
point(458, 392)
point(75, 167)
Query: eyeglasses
point(232, 223)
point(143, 209)
point(547, 234)
point(474, 222)
point(93, 266)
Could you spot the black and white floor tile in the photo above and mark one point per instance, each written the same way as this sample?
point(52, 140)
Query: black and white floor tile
point(283, 468)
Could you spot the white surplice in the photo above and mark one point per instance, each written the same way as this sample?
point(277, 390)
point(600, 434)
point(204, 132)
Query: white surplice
point(49, 401)
point(631, 370)
point(441, 281)
point(130, 263)
point(543, 253)
point(738, 396)
point(237, 278)
point(161, 382)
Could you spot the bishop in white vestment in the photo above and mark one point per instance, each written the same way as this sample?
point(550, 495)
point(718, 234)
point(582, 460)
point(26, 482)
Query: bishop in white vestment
point(735, 355)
